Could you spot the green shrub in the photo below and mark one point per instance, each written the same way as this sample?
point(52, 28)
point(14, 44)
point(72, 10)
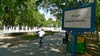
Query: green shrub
point(35, 36)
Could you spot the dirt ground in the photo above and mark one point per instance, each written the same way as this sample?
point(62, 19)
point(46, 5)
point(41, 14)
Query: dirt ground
point(92, 46)
point(6, 42)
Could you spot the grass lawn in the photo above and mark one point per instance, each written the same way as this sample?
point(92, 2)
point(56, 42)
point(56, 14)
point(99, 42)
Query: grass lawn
point(35, 36)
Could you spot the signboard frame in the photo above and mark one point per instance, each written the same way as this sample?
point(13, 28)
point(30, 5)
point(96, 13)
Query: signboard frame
point(92, 24)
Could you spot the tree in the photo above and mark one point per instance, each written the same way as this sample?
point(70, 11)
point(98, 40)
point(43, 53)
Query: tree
point(20, 12)
point(56, 6)
point(97, 19)
point(50, 22)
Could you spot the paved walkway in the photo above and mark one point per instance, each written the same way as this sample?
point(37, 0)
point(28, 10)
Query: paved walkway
point(52, 46)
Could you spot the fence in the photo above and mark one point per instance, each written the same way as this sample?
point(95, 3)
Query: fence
point(28, 29)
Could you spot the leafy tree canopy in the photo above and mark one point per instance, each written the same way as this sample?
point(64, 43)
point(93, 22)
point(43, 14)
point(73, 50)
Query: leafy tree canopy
point(20, 12)
point(56, 6)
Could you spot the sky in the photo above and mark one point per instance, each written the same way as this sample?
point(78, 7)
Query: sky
point(47, 15)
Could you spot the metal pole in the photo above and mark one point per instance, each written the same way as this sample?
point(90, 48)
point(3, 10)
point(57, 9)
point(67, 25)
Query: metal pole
point(74, 44)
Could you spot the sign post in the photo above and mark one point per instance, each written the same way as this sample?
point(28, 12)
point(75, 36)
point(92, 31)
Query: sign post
point(77, 20)
point(74, 43)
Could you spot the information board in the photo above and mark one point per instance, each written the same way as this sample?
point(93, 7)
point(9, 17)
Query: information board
point(81, 19)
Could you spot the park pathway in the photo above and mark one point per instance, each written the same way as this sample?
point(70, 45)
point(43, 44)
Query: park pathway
point(52, 46)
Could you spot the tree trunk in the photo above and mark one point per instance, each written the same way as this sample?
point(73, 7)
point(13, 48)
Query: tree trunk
point(97, 35)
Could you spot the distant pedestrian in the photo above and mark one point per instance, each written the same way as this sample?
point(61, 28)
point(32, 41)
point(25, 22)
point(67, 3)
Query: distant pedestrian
point(41, 36)
point(66, 38)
